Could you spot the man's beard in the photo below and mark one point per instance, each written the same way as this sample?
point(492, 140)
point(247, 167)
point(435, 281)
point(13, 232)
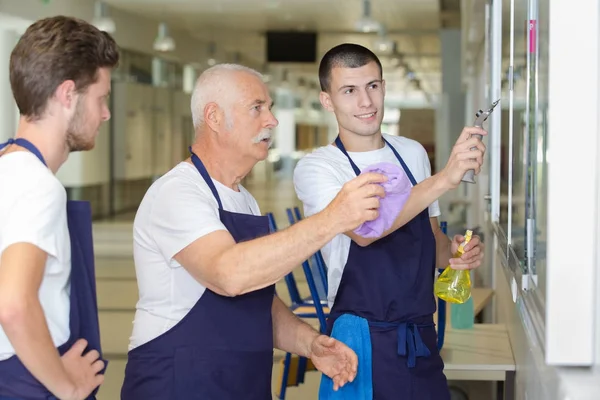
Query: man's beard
point(76, 137)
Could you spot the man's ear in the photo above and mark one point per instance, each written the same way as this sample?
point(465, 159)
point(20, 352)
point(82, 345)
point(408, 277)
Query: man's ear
point(213, 116)
point(326, 101)
point(66, 94)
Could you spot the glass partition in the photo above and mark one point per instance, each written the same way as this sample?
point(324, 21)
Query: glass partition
point(540, 161)
point(507, 88)
point(517, 214)
point(523, 151)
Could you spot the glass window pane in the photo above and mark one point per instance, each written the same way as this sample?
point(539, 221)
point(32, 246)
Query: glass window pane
point(540, 161)
point(521, 125)
point(505, 128)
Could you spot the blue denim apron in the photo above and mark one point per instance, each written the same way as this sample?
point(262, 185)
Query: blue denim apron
point(15, 381)
point(390, 284)
point(222, 349)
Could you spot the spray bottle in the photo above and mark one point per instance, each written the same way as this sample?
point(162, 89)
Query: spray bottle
point(480, 118)
point(454, 286)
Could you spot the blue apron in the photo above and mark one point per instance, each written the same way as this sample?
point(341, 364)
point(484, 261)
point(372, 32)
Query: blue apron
point(222, 349)
point(390, 284)
point(15, 381)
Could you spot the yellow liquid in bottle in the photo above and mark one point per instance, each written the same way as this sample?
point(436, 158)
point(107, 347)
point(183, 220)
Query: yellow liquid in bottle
point(454, 286)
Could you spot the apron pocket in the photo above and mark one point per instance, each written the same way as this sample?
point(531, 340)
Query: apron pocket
point(222, 374)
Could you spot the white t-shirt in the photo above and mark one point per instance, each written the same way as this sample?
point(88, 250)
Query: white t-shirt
point(178, 209)
point(33, 209)
point(319, 177)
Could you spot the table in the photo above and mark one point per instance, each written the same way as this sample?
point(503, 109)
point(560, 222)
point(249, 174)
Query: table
point(482, 353)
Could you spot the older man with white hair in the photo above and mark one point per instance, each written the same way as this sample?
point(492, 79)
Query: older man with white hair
point(207, 319)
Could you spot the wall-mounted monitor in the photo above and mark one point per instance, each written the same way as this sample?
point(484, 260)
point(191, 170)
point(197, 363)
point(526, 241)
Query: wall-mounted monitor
point(291, 47)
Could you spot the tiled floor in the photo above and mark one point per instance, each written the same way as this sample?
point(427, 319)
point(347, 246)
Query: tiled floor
point(117, 295)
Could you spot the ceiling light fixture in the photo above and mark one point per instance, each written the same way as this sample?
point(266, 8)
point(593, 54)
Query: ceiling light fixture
point(102, 19)
point(212, 51)
point(164, 42)
point(367, 24)
point(383, 44)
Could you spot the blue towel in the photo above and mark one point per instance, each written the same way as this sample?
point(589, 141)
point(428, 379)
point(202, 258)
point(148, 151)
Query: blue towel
point(354, 332)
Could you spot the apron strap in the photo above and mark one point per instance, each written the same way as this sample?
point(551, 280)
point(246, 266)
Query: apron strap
point(202, 169)
point(404, 166)
point(409, 339)
point(340, 146)
point(27, 145)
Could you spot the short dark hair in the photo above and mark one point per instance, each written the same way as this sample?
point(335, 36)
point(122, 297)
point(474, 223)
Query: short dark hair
point(53, 50)
point(346, 55)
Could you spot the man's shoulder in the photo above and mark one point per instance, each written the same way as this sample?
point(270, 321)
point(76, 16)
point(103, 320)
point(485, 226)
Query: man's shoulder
point(412, 151)
point(182, 175)
point(177, 194)
point(32, 197)
point(402, 142)
point(326, 156)
point(326, 167)
point(31, 180)
point(180, 185)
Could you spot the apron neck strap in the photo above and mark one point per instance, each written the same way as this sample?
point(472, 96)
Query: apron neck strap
point(204, 173)
point(26, 144)
point(340, 146)
point(404, 166)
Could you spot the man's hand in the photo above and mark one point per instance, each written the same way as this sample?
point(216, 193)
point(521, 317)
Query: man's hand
point(334, 359)
point(472, 256)
point(462, 158)
point(357, 202)
point(83, 370)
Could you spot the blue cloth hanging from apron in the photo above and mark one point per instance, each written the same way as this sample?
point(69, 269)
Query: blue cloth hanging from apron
point(390, 284)
point(15, 381)
point(222, 349)
point(354, 332)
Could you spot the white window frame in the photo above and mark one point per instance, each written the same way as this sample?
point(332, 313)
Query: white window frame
point(574, 126)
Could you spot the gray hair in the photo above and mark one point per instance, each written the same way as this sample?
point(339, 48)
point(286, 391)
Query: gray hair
point(215, 85)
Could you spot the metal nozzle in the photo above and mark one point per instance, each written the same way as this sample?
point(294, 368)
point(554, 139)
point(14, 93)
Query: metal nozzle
point(480, 117)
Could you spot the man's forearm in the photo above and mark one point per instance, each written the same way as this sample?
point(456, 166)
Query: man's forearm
point(255, 264)
point(26, 328)
point(290, 333)
point(443, 253)
point(421, 196)
point(231, 268)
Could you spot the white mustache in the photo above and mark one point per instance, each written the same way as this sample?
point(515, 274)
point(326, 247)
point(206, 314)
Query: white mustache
point(264, 134)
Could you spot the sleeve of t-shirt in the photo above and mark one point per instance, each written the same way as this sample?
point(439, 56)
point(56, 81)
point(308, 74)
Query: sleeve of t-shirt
point(434, 208)
point(316, 184)
point(35, 215)
point(182, 213)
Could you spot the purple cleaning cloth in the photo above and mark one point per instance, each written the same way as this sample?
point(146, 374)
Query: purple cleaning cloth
point(397, 189)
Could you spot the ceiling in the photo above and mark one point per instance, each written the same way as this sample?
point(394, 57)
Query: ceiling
point(238, 26)
point(260, 15)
